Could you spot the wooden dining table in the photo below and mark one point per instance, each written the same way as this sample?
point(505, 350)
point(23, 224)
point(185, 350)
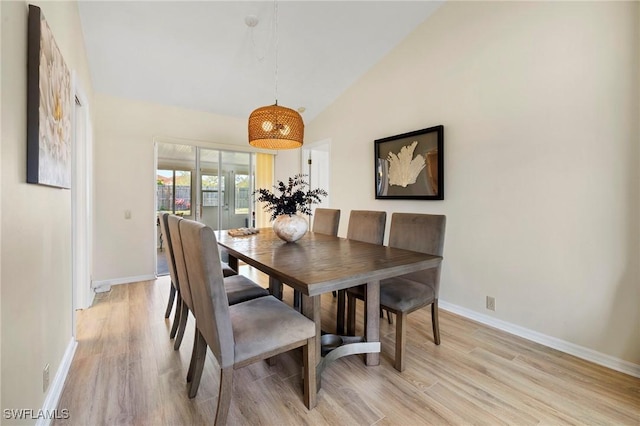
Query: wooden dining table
point(318, 264)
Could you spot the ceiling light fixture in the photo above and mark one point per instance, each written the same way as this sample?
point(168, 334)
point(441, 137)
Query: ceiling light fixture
point(274, 126)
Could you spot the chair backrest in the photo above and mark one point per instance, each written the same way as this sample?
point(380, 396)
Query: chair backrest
point(326, 221)
point(367, 226)
point(423, 233)
point(181, 270)
point(168, 252)
point(211, 307)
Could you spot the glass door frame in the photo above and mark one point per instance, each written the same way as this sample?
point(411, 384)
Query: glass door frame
point(222, 176)
point(196, 177)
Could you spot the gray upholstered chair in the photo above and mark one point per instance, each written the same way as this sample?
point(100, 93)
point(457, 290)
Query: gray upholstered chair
point(326, 221)
point(186, 300)
point(238, 288)
point(366, 226)
point(407, 293)
point(243, 333)
point(175, 289)
point(174, 292)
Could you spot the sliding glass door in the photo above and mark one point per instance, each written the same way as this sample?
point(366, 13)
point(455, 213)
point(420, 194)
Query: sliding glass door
point(225, 188)
point(212, 186)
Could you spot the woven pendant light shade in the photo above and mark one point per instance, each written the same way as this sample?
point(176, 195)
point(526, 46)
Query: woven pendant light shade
point(276, 127)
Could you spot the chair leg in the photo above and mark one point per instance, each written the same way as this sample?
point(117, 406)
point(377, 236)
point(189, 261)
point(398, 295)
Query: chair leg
point(194, 356)
point(224, 395)
point(200, 357)
point(176, 316)
point(351, 315)
point(172, 296)
point(309, 365)
point(434, 322)
point(388, 314)
point(182, 326)
point(342, 295)
point(401, 337)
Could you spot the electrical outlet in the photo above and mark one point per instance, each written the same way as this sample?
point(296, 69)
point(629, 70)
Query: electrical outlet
point(491, 303)
point(127, 214)
point(45, 378)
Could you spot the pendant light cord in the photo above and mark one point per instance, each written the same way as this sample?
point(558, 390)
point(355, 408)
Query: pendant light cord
point(275, 13)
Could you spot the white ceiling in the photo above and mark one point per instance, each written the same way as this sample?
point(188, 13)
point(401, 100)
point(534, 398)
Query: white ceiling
point(201, 55)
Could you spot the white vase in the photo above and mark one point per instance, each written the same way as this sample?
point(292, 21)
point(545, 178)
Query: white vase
point(290, 228)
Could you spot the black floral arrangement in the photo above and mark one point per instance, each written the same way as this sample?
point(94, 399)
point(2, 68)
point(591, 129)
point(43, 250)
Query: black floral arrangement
point(292, 197)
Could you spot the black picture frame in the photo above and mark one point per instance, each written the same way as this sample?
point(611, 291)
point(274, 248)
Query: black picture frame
point(49, 107)
point(410, 166)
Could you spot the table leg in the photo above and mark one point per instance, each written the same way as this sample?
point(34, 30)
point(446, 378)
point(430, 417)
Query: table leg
point(372, 328)
point(342, 296)
point(233, 263)
point(275, 288)
point(311, 309)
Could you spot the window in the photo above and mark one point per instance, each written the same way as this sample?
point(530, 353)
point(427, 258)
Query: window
point(212, 187)
point(242, 194)
point(173, 191)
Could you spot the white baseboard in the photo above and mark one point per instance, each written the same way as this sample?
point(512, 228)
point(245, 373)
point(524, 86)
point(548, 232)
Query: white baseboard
point(549, 341)
point(50, 406)
point(105, 285)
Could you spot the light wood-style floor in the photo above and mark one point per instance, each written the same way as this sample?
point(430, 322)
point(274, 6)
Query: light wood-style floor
point(126, 372)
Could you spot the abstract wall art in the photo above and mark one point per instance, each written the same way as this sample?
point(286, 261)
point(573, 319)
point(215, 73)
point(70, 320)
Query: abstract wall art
point(49, 107)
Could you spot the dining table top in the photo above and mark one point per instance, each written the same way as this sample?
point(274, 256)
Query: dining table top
point(319, 263)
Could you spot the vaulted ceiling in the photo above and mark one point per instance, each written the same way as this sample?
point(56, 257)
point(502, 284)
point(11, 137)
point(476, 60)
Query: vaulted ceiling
point(202, 55)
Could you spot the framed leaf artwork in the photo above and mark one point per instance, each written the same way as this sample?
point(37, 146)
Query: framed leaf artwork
point(410, 166)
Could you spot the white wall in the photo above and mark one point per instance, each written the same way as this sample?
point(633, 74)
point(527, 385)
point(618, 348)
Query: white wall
point(288, 163)
point(539, 102)
point(35, 226)
point(124, 177)
point(1, 116)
